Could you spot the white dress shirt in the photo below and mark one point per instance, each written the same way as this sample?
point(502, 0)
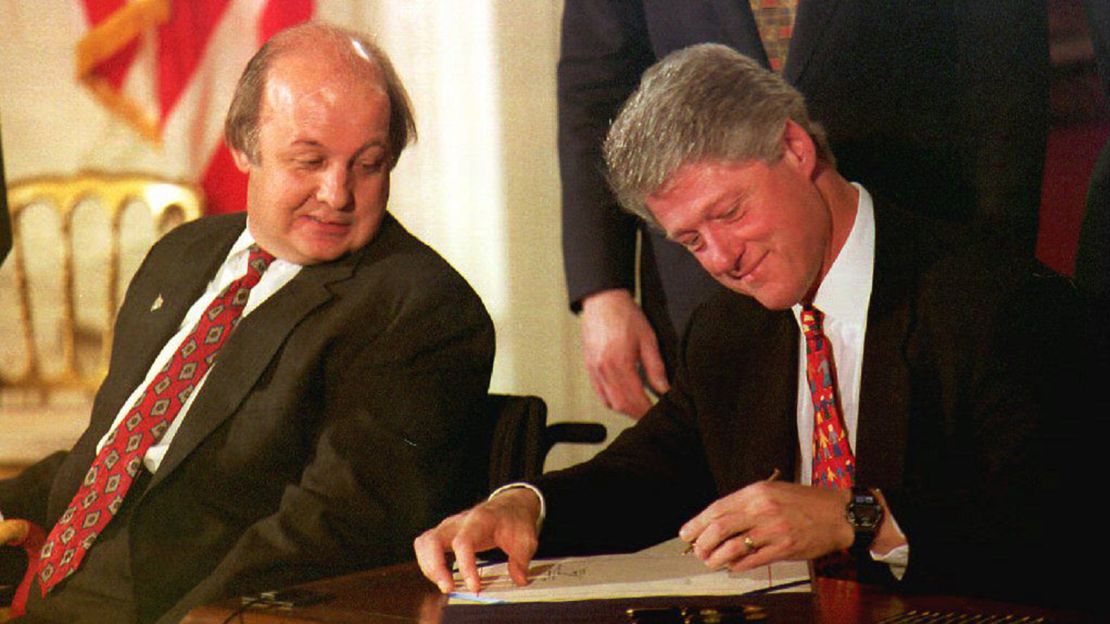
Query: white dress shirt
point(843, 298)
point(276, 276)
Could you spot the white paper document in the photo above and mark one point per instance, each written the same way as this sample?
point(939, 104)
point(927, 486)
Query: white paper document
point(662, 570)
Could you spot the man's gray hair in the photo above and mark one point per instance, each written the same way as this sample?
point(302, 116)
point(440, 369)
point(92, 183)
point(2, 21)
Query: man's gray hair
point(705, 102)
point(356, 50)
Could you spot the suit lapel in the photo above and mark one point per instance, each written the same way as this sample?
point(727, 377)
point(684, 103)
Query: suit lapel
point(885, 387)
point(182, 285)
point(770, 403)
point(740, 29)
point(810, 25)
point(249, 351)
point(754, 423)
point(149, 318)
point(155, 315)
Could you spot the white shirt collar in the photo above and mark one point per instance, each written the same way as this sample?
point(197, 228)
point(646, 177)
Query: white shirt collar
point(240, 249)
point(241, 245)
point(846, 289)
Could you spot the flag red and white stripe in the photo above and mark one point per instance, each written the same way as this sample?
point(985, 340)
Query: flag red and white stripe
point(169, 68)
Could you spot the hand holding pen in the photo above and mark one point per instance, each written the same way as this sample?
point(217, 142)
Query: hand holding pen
point(769, 521)
point(747, 540)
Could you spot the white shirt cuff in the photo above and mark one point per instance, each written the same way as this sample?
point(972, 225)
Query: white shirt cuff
point(898, 557)
point(528, 486)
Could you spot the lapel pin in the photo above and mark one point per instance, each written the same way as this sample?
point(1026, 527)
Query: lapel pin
point(157, 304)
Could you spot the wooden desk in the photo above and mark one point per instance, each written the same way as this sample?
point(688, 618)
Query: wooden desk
point(400, 594)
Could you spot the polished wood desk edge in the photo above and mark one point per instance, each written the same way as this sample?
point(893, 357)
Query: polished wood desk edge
point(399, 593)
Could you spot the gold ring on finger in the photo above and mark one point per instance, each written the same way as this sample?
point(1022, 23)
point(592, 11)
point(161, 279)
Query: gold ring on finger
point(750, 543)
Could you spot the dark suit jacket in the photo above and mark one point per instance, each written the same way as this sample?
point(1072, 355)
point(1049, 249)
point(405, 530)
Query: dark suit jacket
point(976, 380)
point(939, 105)
point(1092, 256)
point(340, 420)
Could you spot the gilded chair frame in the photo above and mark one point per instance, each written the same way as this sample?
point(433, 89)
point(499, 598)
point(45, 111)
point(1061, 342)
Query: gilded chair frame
point(168, 201)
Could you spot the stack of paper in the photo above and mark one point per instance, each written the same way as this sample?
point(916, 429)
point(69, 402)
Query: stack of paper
point(661, 570)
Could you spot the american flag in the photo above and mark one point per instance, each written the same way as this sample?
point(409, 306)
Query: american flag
point(169, 68)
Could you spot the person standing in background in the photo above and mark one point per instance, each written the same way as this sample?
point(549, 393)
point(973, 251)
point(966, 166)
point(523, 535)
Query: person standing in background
point(938, 106)
point(1092, 258)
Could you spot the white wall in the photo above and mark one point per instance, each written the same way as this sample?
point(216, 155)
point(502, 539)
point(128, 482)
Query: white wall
point(481, 185)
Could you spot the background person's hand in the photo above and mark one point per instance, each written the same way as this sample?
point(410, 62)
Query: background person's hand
point(616, 340)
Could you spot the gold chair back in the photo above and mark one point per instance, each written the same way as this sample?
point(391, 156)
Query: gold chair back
point(114, 200)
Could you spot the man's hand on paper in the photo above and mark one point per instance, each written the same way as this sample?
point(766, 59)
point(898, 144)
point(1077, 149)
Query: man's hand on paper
point(508, 522)
point(783, 521)
point(616, 337)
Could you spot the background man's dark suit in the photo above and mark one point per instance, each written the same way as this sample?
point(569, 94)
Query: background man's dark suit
point(941, 106)
point(1092, 258)
point(338, 422)
point(974, 383)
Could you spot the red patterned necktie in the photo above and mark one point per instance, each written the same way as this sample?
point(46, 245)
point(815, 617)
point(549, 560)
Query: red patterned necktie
point(834, 466)
point(775, 22)
point(117, 464)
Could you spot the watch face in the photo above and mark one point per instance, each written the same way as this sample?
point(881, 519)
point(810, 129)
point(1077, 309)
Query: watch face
point(864, 512)
point(865, 516)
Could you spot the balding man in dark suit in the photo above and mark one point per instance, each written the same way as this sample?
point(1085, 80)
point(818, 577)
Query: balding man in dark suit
point(310, 441)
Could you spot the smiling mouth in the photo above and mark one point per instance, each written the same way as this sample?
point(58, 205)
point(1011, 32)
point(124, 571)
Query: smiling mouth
point(746, 274)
